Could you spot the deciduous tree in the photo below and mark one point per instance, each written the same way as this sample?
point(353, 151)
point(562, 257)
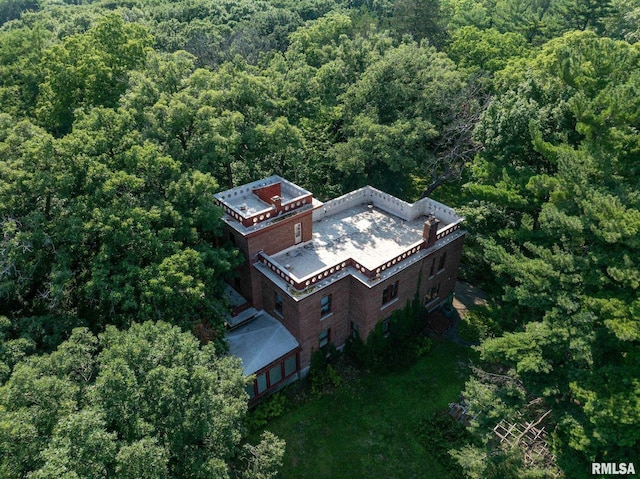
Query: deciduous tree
point(149, 402)
point(396, 115)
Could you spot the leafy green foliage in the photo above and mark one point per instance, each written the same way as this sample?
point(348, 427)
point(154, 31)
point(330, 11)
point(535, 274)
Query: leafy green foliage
point(96, 226)
point(270, 408)
point(264, 459)
point(419, 18)
point(89, 69)
point(324, 376)
point(476, 464)
point(480, 323)
point(119, 120)
point(12, 351)
point(11, 9)
point(394, 344)
point(485, 50)
point(394, 115)
point(21, 54)
point(540, 20)
point(563, 256)
point(147, 402)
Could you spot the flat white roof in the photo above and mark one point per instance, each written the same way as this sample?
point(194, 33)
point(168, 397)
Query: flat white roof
point(260, 342)
point(248, 207)
point(377, 232)
point(365, 233)
point(250, 204)
point(243, 200)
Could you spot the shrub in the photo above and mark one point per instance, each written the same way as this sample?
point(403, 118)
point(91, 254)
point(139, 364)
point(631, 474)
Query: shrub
point(355, 350)
point(421, 346)
point(270, 408)
point(323, 375)
point(478, 323)
point(397, 349)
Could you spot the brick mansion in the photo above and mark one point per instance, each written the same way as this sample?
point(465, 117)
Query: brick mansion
point(318, 273)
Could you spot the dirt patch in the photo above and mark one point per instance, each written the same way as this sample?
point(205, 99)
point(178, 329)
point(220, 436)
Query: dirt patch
point(467, 296)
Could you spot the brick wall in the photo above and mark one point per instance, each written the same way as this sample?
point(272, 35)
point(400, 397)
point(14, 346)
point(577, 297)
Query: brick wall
point(271, 239)
point(444, 278)
point(265, 193)
point(241, 284)
point(351, 300)
point(366, 308)
point(365, 304)
point(280, 235)
point(289, 305)
point(303, 318)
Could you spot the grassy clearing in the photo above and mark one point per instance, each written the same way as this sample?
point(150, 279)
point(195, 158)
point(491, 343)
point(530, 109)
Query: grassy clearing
point(367, 427)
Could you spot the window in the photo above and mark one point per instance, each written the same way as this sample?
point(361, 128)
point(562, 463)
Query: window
point(325, 305)
point(290, 366)
point(390, 292)
point(275, 374)
point(278, 304)
point(262, 383)
point(433, 293)
point(385, 327)
point(443, 258)
point(325, 337)
point(250, 390)
point(433, 266)
point(355, 330)
point(297, 230)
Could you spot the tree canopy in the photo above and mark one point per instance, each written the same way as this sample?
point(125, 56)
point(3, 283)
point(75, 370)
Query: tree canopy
point(148, 402)
point(120, 120)
point(563, 241)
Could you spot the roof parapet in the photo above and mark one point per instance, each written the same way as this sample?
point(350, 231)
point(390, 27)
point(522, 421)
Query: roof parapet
point(388, 203)
point(269, 198)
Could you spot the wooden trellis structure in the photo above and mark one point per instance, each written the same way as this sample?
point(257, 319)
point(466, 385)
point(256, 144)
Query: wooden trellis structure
point(528, 437)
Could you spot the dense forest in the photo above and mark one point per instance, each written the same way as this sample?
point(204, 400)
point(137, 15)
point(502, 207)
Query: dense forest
point(120, 118)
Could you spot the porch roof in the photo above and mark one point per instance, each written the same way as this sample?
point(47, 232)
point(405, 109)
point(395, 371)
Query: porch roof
point(260, 342)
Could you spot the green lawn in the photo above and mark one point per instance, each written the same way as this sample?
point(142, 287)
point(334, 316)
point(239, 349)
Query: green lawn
point(366, 428)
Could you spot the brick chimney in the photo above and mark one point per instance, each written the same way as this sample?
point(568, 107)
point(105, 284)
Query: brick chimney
point(430, 229)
